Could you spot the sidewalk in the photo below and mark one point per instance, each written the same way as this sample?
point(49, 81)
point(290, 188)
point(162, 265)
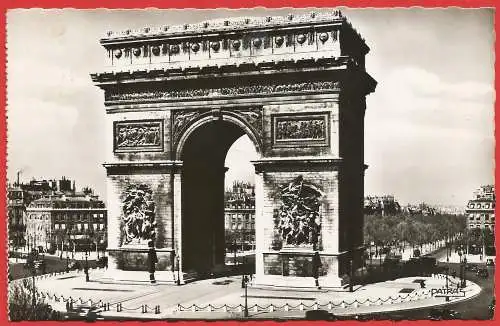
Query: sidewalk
point(476, 259)
point(224, 297)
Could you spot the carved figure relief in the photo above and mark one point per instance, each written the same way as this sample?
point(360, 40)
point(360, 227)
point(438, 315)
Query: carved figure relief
point(181, 118)
point(146, 135)
point(227, 91)
point(139, 225)
point(298, 218)
point(300, 129)
point(306, 129)
point(253, 116)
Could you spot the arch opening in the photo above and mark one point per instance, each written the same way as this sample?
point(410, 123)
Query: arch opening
point(203, 190)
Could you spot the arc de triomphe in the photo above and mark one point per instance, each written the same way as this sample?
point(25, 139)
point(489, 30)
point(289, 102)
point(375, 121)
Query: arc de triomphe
point(176, 99)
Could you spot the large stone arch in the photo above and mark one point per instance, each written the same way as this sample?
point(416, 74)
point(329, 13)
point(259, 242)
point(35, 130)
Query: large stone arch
point(304, 75)
point(208, 116)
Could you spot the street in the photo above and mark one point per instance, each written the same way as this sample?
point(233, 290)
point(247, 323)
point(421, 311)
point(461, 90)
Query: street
point(475, 308)
point(53, 264)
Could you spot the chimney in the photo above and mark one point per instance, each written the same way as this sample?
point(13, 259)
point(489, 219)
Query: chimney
point(74, 187)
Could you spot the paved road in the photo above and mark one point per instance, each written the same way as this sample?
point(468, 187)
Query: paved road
point(54, 264)
point(475, 308)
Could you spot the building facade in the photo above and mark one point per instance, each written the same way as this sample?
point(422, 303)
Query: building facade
point(239, 216)
point(52, 214)
point(76, 221)
point(16, 207)
point(383, 205)
point(480, 210)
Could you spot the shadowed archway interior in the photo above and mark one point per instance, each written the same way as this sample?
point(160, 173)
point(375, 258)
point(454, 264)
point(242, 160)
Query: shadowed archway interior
point(203, 156)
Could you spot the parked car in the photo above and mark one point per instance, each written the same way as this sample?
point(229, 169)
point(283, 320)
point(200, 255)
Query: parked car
point(319, 315)
point(443, 314)
point(482, 272)
point(490, 262)
point(74, 265)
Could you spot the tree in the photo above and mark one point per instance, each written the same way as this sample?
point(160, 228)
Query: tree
point(21, 306)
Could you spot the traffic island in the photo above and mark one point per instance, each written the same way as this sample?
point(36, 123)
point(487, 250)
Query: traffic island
point(224, 298)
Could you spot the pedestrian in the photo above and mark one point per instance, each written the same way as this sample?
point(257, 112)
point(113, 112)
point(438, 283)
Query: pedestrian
point(316, 265)
point(152, 260)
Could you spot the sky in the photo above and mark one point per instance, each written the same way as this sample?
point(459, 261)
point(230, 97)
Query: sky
point(428, 126)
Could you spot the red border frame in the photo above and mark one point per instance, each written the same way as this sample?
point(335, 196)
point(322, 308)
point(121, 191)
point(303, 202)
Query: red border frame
point(201, 4)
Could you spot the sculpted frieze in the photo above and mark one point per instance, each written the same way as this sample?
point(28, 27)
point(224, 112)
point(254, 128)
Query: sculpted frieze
point(144, 135)
point(244, 90)
point(300, 129)
point(305, 129)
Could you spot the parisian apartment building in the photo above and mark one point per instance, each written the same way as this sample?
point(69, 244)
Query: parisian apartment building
point(480, 209)
point(52, 214)
point(239, 215)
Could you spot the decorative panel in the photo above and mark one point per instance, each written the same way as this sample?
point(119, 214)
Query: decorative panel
point(138, 136)
point(301, 129)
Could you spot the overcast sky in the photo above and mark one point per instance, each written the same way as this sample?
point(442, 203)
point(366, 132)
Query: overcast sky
point(429, 124)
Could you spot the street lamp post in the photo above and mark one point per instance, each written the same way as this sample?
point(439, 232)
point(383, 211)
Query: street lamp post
point(462, 268)
point(87, 278)
point(245, 283)
point(351, 276)
point(447, 269)
point(178, 270)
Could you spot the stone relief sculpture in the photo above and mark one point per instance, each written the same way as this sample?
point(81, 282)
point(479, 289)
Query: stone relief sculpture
point(300, 129)
point(133, 135)
point(226, 91)
point(299, 221)
point(139, 225)
point(181, 118)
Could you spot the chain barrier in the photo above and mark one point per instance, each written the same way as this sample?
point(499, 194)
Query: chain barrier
point(314, 306)
point(106, 306)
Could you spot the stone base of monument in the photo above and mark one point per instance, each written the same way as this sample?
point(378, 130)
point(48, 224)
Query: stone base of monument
point(278, 281)
point(162, 277)
point(292, 267)
point(130, 264)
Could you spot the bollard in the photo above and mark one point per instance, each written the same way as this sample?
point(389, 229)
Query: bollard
point(193, 308)
point(286, 307)
point(256, 308)
point(271, 308)
point(301, 306)
point(316, 306)
point(330, 305)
